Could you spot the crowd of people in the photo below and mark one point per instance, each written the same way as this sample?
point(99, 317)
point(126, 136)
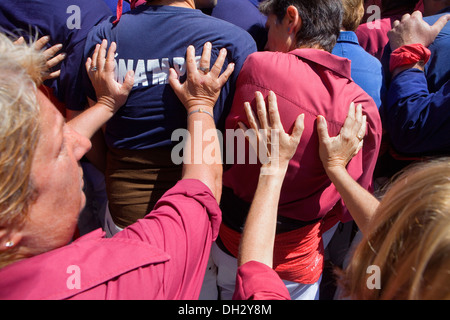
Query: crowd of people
point(338, 152)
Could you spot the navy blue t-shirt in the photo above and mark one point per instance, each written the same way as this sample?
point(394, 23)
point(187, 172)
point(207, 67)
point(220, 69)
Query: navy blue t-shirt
point(245, 14)
point(150, 40)
point(65, 21)
point(112, 4)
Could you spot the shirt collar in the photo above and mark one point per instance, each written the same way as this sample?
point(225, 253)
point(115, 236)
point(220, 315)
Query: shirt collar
point(337, 64)
point(348, 36)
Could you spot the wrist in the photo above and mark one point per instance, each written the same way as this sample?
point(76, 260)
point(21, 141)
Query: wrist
point(334, 170)
point(200, 106)
point(408, 56)
point(274, 169)
point(107, 103)
point(419, 65)
point(201, 110)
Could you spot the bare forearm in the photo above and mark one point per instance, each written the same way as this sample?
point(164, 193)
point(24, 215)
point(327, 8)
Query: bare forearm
point(361, 203)
point(89, 123)
point(202, 157)
point(258, 237)
point(91, 120)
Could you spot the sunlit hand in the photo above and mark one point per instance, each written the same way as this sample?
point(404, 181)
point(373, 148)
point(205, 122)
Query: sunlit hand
point(51, 58)
point(202, 86)
point(279, 147)
point(338, 151)
point(413, 29)
point(101, 73)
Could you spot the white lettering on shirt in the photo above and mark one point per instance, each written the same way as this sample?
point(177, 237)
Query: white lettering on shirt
point(151, 72)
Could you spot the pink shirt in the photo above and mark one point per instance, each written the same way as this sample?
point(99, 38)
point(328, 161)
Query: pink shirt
point(257, 281)
point(372, 36)
point(162, 256)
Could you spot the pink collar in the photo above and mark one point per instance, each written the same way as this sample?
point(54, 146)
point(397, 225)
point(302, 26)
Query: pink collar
point(337, 64)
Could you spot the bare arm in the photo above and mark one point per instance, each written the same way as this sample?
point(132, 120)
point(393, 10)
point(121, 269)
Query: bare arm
point(335, 153)
point(199, 94)
point(258, 237)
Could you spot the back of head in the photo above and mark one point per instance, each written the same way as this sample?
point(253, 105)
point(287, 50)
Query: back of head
point(20, 70)
point(321, 20)
point(410, 243)
point(353, 13)
point(407, 6)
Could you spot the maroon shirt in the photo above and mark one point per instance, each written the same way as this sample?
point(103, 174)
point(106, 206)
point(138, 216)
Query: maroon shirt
point(313, 82)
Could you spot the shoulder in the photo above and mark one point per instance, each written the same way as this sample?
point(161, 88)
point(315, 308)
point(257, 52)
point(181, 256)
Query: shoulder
point(234, 34)
point(262, 60)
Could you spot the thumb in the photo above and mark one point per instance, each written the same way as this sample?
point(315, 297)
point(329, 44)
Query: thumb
point(440, 24)
point(322, 128)
point(299, 126)
point(128, 82)
point(174, 81)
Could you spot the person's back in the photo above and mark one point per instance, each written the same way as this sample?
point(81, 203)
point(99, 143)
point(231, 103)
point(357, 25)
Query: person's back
point(306, 81)
point(245, 14)
point(150, 40)
point(367, 71)
point(315, 85)
point(66, 22)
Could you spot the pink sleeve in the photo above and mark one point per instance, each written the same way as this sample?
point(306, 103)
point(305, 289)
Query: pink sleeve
point(257, 281)
point(183, 223)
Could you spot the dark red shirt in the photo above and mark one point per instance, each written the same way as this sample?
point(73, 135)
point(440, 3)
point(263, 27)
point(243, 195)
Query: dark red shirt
point(313, 82)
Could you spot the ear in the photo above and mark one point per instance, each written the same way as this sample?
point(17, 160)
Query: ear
point(9, 238)
point(293, 20)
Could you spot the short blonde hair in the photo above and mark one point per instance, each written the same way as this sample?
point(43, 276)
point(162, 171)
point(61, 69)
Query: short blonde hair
point(353, 13)
point(21, 69)
point(411, 239)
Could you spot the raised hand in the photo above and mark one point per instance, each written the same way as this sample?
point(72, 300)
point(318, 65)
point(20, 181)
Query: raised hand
point(337, 151)
point(413, 29)
point(202, 86)
point(279, 146)
point(52, 59)
point(101, 73)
